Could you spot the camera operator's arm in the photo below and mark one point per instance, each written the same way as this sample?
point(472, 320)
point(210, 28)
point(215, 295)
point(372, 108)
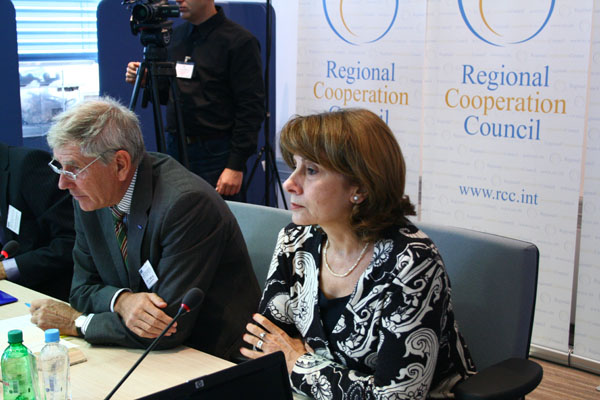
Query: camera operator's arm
point(131, 73)
point(131, 76)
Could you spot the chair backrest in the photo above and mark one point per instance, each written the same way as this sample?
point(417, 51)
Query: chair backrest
point(493, 278)
point(494, 281)
point(260, 226)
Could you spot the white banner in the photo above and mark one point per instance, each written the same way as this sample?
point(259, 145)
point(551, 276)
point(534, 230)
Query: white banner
point(503, 143)
point(488, 102)
point(587, 323)
point(365, 54)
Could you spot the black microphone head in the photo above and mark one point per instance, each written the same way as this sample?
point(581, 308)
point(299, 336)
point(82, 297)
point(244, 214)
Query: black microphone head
point(193, 298)
point(10, 248)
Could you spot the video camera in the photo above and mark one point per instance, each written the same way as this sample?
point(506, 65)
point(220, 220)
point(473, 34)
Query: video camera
point(149, 17)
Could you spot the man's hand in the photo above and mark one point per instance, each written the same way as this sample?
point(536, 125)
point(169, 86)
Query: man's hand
point(2, 271)
point(230, 182)
point(47, 314)
point(131, 72)
point(142, 314)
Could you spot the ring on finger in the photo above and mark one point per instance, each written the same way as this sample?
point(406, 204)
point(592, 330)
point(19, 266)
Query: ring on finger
point(262, 335)
point(259, 344)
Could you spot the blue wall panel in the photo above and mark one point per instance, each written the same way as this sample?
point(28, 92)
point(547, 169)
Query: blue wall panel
point(117, 46)
point(10, 100)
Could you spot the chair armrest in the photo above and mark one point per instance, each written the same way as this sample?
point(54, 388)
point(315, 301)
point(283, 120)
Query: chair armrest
point(509, 379)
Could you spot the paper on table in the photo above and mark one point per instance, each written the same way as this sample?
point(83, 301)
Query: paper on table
point(31, 333)
point(33, 337)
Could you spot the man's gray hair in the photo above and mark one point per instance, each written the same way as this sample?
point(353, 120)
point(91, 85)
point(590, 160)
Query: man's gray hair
point(97, 127)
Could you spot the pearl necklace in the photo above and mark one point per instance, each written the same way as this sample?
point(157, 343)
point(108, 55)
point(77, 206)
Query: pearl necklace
point(360, 256)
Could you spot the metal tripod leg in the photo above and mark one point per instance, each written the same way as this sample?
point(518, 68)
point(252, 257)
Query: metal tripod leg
point(153, 71)
point(271, 155)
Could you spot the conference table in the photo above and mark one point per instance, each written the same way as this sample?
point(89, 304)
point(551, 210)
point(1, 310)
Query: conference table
point(106, 365)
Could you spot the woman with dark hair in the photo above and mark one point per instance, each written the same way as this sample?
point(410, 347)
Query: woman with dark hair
point(356, 297)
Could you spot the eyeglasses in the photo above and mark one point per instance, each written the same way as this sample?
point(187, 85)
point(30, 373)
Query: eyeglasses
point(68, 174)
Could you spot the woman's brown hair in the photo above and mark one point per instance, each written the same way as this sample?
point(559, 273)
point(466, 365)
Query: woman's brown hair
point(359, 145)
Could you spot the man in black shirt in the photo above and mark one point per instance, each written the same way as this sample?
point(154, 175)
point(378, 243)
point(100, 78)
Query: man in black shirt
point(219, 75)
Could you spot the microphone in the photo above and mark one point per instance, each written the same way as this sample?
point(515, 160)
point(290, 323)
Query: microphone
point(193, 298)
point(9, 249)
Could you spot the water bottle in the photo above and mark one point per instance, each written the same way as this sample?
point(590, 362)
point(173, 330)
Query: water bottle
point(54, 363)
point(19, 371)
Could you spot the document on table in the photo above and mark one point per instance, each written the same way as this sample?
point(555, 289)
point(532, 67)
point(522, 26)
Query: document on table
point(31, 333)
point(33, 337)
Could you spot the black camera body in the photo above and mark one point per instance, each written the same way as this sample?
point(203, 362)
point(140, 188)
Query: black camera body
point(149, 18)
point(153, 11)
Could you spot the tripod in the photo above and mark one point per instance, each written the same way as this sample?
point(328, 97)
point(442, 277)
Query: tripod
point(266, 149)
point(153, 67)
point(270, 168)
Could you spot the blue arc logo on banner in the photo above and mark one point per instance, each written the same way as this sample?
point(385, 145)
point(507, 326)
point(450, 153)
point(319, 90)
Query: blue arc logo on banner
point(351, 24)
point(478, 20)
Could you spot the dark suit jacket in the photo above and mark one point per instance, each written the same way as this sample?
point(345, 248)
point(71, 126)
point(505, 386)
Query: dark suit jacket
point(182, 226)
point(46, 235)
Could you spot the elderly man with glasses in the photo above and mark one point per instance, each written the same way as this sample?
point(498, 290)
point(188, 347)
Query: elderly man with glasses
point(147, 230)
point(39, 216)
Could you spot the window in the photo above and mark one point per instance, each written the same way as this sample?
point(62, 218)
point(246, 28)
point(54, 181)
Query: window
point(57, 58)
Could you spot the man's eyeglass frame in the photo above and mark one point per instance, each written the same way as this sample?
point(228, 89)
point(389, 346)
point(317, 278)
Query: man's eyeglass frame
point(73, 175)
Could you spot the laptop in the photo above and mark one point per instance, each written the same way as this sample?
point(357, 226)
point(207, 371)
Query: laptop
point(264, 378)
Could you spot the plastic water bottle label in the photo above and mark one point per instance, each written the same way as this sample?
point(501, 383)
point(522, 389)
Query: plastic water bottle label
point(50, 384)
point(13, 386)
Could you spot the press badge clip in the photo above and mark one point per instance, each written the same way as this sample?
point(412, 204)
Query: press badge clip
point(185, 69)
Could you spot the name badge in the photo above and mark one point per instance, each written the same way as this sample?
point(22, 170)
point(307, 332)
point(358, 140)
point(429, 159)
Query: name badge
point(185, 69)
point(148, 275)
point(13, 219)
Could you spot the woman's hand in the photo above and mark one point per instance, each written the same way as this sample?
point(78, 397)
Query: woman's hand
point(268, 338)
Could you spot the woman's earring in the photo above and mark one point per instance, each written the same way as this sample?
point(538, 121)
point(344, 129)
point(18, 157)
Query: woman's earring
point(355, 198)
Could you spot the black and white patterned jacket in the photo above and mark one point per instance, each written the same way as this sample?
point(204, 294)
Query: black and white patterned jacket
point(396, 338)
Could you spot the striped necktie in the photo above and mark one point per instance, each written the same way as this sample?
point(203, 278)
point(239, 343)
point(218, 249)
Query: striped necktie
point(120, 231)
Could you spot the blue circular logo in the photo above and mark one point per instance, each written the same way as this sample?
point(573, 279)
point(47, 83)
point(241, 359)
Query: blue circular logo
point(500, 24)
point(349, 21)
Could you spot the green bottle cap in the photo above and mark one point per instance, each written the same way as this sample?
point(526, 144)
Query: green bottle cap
point(15, 336)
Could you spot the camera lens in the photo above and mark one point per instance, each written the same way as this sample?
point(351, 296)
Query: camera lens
point(141, 12)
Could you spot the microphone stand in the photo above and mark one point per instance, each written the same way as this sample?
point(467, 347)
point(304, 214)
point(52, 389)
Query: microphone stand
point(150, 348)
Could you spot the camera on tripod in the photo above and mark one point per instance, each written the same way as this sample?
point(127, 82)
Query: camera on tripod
point(149, 18)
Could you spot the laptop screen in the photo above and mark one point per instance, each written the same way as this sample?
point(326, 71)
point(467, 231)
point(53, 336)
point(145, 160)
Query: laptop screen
point(263, 378)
